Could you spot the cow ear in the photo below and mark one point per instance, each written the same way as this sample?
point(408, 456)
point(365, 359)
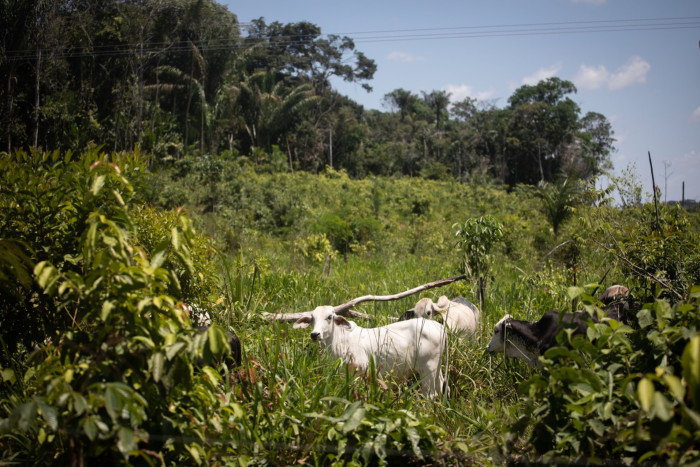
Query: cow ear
point(340, 321)
point(409, 314)
point(302, 322)
point(443, 303)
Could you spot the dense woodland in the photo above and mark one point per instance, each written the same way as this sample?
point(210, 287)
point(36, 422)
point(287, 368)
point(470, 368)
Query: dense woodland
point(160, 162)
point(182, 77)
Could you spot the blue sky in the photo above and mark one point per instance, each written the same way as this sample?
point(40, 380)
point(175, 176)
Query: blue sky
point(643, 75)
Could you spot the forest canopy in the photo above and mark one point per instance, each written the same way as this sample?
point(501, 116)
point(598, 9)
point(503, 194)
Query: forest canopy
point(183, 77)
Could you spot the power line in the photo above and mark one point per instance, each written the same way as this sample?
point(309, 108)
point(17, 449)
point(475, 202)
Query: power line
point(443, 33)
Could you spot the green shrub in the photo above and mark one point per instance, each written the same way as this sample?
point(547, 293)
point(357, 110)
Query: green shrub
point(120, 380)
point(604, 399)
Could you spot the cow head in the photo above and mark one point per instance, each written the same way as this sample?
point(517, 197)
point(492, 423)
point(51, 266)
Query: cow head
point(500, 332)
point(425, 308)
point(324, 320)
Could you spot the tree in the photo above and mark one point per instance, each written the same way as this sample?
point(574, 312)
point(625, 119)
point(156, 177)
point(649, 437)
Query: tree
point(19, 20)
point(269, 107)
point(438, 101)
point(400, 100)
point(300, 51)
point(596, 146)
point(559, 200)
point(545, 122)
point(477, 237)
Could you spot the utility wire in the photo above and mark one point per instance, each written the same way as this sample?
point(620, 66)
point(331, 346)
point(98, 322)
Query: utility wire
point(447, 33)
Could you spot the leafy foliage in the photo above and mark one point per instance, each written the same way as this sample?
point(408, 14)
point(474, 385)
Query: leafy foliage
point(182, 78)
point(477, 237)
point(608, 397)
point(125, 377)
point(102, 384)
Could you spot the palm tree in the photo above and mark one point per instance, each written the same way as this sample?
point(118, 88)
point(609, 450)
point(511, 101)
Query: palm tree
point(559, 200)
point(269, 107)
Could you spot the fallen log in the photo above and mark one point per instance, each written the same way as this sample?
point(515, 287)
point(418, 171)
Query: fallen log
point(346, 308)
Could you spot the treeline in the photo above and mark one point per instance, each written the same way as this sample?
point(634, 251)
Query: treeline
point(184, 77)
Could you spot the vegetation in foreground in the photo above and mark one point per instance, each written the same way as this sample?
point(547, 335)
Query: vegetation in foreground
point(100, 361)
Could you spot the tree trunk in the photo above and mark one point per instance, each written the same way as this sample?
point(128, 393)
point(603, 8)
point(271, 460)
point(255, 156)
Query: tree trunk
point(190, 92)
point(9, 104)
point(35, 137)
point(139, 119)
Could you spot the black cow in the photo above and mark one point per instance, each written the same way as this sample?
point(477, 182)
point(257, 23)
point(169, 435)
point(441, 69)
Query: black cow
point(530, 339)
point(235, 355)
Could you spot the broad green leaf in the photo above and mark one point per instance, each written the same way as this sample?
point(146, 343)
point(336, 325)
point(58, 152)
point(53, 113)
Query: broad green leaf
point(691, 369)
point(645, 318)
point(597, 426)
point(157, 364)
point(145, 340)
point(645, 393)
point(8, 374)
point(90, 429)
point(218, 340)
point(107, 308)
point(112, 404)
point(45, 274)
point(80, 404)
point(556, 352)
point(675, 386)
point(173, 350)
point(212, 374)
point(663, 408)
point(127, 440)
point(50, 414)
point(97, 184)
point(354, 420)
point(27, 415)
point(574, 292)
point(695, 291)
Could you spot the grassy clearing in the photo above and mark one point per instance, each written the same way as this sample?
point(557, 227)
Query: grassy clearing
point(286, 361)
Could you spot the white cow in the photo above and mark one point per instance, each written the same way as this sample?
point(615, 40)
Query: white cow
point(459, 315)
point(405, 346)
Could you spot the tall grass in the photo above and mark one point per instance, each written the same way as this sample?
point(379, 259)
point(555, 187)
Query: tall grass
point(302, 393)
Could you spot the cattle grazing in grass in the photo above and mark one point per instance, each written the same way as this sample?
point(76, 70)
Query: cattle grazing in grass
point(403, 347)
point(618, 304)
point(528, 340)
point(458, 315)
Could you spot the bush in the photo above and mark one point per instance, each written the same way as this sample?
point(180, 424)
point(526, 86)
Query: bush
point(120, 378)
point(604, 399)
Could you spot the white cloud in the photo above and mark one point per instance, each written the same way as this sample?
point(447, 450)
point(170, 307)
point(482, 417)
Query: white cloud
point(542, 73)
point(405, 57)
point(595, 77)
point(633, 72)
point(590, 77)
point(459, 92)
point(695, 116)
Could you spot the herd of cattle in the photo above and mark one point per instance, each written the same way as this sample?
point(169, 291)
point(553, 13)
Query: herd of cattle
point(418, 341)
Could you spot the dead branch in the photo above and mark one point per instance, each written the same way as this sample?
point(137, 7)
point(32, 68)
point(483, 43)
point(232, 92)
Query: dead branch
point(295, 316)
point(341, 309)
point(346, 308)
point(639, 270)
